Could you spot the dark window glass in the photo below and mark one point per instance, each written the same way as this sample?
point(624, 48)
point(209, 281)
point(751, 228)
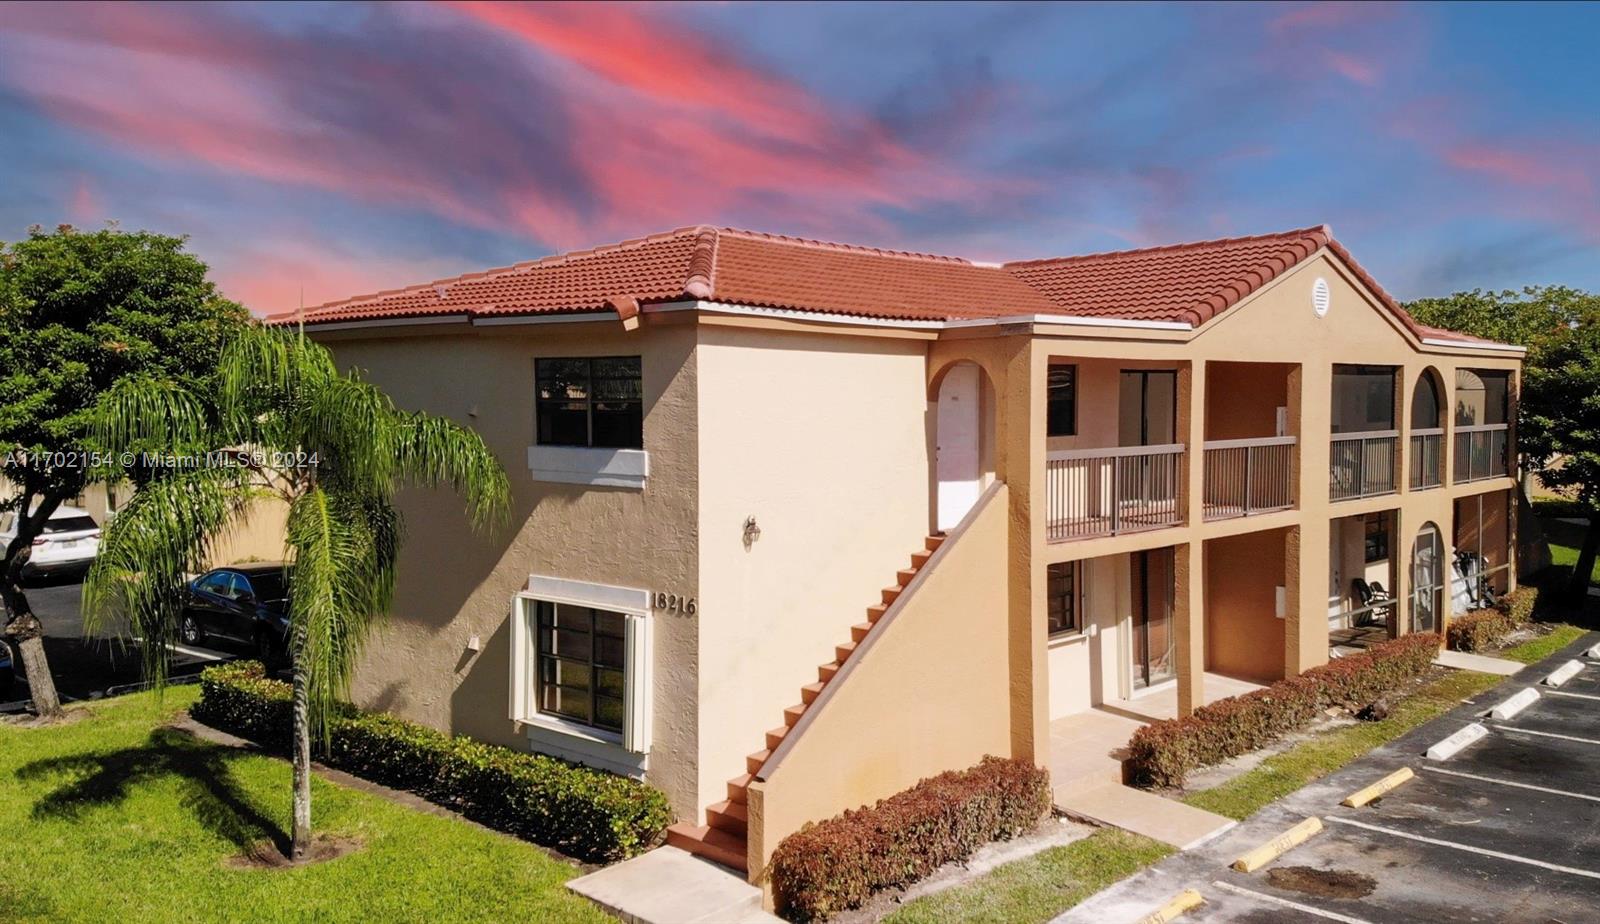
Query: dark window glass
point(1063, 401)
point(1363, 398)
point(69, 524)
point(269, 586)
point(1063, 591)
point(1377, 539)
point(217, 582)
point(1425, 405)
point(590, 402)
point(582, 661)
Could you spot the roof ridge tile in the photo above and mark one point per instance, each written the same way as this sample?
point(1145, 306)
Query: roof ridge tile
point(1293, 236)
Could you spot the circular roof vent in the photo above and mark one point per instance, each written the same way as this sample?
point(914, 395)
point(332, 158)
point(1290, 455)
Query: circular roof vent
point(1321, 298)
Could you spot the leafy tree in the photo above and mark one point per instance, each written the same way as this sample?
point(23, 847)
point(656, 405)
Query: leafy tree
point(1558, 420)
point(334, 449)
point(79, 313)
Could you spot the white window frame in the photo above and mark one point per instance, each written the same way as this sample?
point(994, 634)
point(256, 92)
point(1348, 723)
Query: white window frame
point(634, 605)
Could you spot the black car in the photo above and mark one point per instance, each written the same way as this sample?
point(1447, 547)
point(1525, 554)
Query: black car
point(240, 606)
point(8, 671)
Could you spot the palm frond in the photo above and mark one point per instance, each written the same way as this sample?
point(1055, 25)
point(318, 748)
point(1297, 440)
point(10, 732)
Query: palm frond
point(166, 532)
point(437, 451)
point(356, 427)
point(139, 413)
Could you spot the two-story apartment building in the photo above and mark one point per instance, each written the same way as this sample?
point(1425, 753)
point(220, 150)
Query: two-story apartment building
point(797, 524)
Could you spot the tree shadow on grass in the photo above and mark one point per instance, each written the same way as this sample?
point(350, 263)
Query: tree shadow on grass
point(209, 789)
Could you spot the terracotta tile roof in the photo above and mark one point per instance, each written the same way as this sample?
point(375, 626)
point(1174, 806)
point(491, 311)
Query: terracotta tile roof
point(1186, 283)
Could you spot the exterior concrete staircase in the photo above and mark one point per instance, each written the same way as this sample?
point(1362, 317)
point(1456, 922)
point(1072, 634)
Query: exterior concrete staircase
point(722, 838)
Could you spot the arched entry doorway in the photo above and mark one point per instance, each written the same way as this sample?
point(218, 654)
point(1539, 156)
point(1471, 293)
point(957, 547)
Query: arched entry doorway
point(963, 440)
point(1427, 432)
point(1427, 579)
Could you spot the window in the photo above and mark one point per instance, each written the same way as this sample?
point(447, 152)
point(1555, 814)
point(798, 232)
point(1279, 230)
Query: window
point(584, 401)
point(1063, 401)
point(582, 664)
point(217, 582)
point(1363, 398)
point(1377, 538)
point(1065, 593)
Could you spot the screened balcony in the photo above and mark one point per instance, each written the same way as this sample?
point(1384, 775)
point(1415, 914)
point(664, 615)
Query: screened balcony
point(1364, 448)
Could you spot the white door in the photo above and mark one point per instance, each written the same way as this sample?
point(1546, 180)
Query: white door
point(956, 462)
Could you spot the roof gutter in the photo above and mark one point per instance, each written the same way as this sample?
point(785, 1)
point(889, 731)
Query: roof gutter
point(1473, 345)
point(914, 323)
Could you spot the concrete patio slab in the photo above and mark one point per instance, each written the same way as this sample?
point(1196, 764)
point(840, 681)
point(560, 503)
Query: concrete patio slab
point(672, 886)
point(1086, 750)
point(1166, 820)
point(1462, 660)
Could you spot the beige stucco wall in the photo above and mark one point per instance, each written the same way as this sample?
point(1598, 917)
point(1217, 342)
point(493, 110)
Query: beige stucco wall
point(1244, 636)
point(930, 694)
point(1085, 667)
point(824, 439)
point(454, 584)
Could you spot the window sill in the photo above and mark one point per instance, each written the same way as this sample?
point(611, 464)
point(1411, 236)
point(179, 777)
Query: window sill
point(1065, 638)
point(613, 468)
point(582, 744)
point(573, 729)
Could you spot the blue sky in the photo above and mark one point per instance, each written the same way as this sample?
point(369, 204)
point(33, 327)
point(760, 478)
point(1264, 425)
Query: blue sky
point(339, 149)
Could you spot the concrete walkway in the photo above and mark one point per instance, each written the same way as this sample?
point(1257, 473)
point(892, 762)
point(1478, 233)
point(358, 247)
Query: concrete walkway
point(672, 886)
point(1462, 660)
point(1166, 820)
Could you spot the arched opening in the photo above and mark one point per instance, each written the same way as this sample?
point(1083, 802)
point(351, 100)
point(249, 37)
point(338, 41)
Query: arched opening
point(963, 441)
point(1427, 431)
point(1427, 579)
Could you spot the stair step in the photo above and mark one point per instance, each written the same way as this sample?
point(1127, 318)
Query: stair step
point(793, 714)
point(810, 692)
point(739, 788)
point(890, 593)
point(753, 762)
point(918, 559)
point(728, 816)
point(904, 576)
point(875, 612)
point(775, 736)
point(825, 672)
point(706, 841)
point(859, 631)
point(842, 652)
point(933, 543)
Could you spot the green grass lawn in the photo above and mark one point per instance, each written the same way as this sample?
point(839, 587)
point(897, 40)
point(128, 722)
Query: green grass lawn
point(1281, 774)
point(1565, 538)
point(1543, 647)
point(1041, 886)
point(115, 817)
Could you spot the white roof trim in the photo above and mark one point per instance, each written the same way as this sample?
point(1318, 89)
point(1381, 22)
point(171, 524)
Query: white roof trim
point(459, 318)
point(1473, 345)
point(493, 321)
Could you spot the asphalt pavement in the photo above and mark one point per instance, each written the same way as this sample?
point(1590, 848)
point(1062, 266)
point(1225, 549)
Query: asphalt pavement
point(105, 664)
point(1506, 830)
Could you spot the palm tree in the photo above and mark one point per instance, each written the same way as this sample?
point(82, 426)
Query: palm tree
point(286, 424)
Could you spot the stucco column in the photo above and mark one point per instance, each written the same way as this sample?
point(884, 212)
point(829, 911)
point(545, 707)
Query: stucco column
point(1514, 500)
point(1022, 465)
point(1189, 615)
point(1305, 630)
point(1400, 542)
point(1447, 415)
point(1405, 380)
point(1188, 624)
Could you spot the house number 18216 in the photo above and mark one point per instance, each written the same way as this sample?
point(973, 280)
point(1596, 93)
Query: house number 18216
point(674, 603)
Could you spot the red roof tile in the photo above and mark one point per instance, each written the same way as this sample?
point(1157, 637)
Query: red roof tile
point(1187, 283)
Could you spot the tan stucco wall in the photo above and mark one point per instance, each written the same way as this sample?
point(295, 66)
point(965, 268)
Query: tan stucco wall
point(930, 694)
point(1093, 655)
point(825, 441)
point(259, 537)
point(1276, 328)
point(1244, 636)
point(454, 585)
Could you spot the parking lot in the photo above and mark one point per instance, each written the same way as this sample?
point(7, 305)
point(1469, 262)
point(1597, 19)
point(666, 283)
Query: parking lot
point(1507, 829)
point(86, 668)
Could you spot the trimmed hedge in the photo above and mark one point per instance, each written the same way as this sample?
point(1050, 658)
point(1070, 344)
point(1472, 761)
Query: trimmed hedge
point(1479, 629)
point(1163, 753)
point(1521, 603)
point(586, 813)
point(836, 864)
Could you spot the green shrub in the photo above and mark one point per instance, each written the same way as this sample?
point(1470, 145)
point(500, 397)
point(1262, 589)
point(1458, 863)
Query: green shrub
point(585, 813)
point(1520, 604)
point(1163, 753)
point(836, 864)
point(1479, 629)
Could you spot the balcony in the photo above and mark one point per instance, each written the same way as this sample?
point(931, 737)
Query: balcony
point(1481, 452)
point(1248, 476)
point(1427, 458)
point(1090, 493)
point(1362, 464)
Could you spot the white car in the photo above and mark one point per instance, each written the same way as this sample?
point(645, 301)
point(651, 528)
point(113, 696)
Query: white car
point(69, 542)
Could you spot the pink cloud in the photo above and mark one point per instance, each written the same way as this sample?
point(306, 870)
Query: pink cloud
point(274, 275)
point(1354, 69)
point(83, 205)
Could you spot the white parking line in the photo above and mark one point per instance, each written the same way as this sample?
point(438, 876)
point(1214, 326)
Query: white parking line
point(1490, 779)
point(1544, 734)
point(1527, 861)
point(1285, 903)
point(204, 653)
point(1571, 694)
